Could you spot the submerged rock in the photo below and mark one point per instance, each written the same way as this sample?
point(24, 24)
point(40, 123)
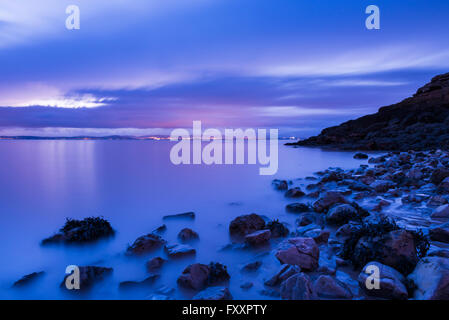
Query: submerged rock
point(28, 279)
point(246, 224)
point(327, 200)
point(253, 266)
point(187, 234)
point(297, 287)
point(145, 244)
point(82, 231)
point(278, 230)
point(303, 252)
point(280, 184)
point(341, 214)
point(88, 276)
point(147, 282)
point(155, 264)
point(431, 278)
point(360, 156)
point(198, 276)
point(185, 215)
point(440, 233)
point(285, 271)
point(295, 193)
point(327, 287)
point(214, 293)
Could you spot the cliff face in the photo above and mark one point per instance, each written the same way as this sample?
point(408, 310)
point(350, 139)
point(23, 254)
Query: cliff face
point(417, 123)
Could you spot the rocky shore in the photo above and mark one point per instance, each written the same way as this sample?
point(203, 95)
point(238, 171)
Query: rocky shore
point(347, 227)
point(420, 122)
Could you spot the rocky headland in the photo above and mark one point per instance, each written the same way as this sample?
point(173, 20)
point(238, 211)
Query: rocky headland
point(420, 122)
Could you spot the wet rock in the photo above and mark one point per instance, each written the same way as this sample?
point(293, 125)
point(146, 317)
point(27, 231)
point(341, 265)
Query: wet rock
point(303, 252)
point(381, 204)
point(185, 215)
point(246, 224)
point(391, 282)
point(443, 187)
point(415, 198)
point(82, 231)
point(382, 186)
point(214, 293)
point(195, 276)
point(147, 282)
point(341, 214)
point(187, 235)
point(345, 231)
point(278, 230)
point(155, 264)
point(145, 244)
point(253, 266)
point(280, 184)
point(306, 219)
point(443, 253)
point(285, 271)
point(376, 160)
point(327, 287)
point(441, 212)
point(179, 250)
point(297, 287)
point(329, 199)
point(218, 273)
point(88, 276)
point(297, 208)
point(440, 233)
point(160, 229)
point(258, 238)
point(28, 279)
point(360, 156)
point(294, 193)
point(431, 278)
point(438, 175)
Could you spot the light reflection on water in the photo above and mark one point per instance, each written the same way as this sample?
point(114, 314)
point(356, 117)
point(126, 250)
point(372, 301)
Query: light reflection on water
point(133, 184)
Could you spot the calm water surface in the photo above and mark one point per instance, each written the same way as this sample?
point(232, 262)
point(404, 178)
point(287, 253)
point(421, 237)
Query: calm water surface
point(133, 184)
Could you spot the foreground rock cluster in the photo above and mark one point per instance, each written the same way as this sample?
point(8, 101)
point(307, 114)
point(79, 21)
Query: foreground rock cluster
point(420, 122)
point(349, 240)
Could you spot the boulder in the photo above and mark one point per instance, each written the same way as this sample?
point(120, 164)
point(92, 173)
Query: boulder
point(391, 282)
point(327, 287)
point(145, 244)
point(246, 224)
point(431, 278)
point(88, 276)
point(155, 264)
point(320, 236)
point(441, 212)
point(278, 230)
point(195, 277)
point(187, 235)
point(285, 271)
point(297, 287)
point(280, 184)
point(214, 293)
point(382, 186)
point(303, 252)
point(327, 200)
point(295, 193)
point(440, 233)
point(258, 238)
point(341, 214)
point(438, 175)
point(360, 156)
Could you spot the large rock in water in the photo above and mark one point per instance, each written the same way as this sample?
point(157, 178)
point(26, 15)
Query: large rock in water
point(391, 282)
point(327, 200)
point(431, 278)
point(303, 252)
point(145, 244)
point(420, 122)
point(297, 287)
point(246, 224)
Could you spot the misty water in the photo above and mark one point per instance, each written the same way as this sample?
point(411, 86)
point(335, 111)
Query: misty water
point(133, 184)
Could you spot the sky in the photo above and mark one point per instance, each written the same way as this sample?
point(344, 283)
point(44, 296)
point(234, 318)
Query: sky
point(144, 67)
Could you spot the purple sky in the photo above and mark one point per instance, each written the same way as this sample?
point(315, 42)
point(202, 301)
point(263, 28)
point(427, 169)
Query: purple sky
point(144, 66)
